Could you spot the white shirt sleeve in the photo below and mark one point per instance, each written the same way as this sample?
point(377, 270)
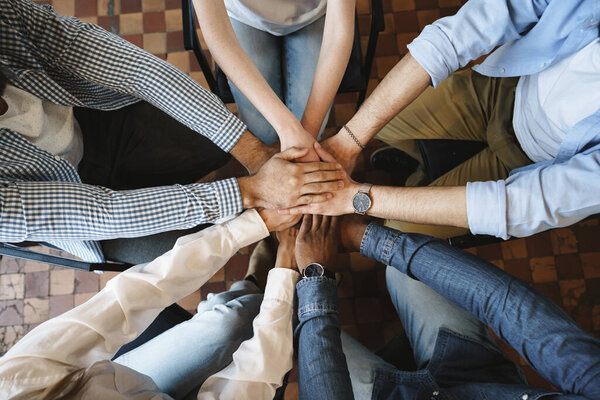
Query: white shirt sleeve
point(95, 330)
point(260, 363)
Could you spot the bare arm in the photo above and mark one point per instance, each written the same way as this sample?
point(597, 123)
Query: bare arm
point(333, 59)
point(398, 89)
point(436, 205)
point(228, 53)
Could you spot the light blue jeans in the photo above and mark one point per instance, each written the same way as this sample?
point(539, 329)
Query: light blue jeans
point(287, 63)
point(182, 358)
point(422, 312)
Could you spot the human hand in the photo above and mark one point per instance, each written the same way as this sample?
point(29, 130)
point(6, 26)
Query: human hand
point(281, 183)
point(339, 204)
point(275, 221)
point(299, 137)
point(343, 149)
point(285, 251)
point(318, 241)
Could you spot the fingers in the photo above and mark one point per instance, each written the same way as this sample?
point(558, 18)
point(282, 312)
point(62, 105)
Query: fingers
point(324, 176)
point(322, 187)
point(320, 166)
point(316, 222)
point(323, 154)
point(305, 227)
point(292, 153)
point(313, 198)
point(302, 209)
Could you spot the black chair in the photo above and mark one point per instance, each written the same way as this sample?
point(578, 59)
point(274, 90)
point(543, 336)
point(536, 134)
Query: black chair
point(21, 250)
point(356, 77)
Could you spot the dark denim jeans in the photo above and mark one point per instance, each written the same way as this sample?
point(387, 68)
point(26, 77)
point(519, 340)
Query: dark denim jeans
point(463, 368)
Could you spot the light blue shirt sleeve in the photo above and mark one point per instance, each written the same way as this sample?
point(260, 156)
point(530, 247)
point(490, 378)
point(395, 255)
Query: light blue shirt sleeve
point(535, 200)
point(480, 25)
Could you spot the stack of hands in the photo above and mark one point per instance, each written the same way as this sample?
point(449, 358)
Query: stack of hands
point(292, 183)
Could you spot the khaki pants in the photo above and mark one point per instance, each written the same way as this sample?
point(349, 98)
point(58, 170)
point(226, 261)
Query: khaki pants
point(466, 106)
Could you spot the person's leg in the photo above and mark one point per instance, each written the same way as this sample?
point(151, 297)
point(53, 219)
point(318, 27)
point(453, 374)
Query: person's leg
point(264, 50)
point(361, 362)
point(423, 312)
point(182, 358)
point(301, 54)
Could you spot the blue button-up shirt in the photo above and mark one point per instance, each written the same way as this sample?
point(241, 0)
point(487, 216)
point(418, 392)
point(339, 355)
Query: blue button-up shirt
point(532, 36)
point(67, 62)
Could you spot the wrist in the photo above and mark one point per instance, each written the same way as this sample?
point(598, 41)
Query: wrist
point(247, 192)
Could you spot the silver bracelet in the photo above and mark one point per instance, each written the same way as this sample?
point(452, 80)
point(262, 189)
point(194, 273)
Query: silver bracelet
point(354, 138)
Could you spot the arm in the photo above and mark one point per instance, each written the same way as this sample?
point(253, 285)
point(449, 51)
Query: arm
point(225, 48)
point(260, 363)
point(536, 200)
point(532, 324)
point(333, 60)
point(322, 367)
point(442, 48)
point(124, 308)
point(319, 343)
point(124, 69)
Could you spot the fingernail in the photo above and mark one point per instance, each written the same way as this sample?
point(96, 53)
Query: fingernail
point(343, 174)
point(338, 166)
point(340, 184)
point(329, 195)
point(317, 145)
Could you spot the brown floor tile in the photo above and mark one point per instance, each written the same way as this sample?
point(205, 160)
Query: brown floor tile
point(518, 268)
point(563, 241)
point(60, 304)
point(105, 277)
point(513, 249)
point(426, 17)
point(131, 23)
point(86, 281)
point(490, 252)
point(135, 39)
point(365, 283)
point(37, 284)
point(219, 276)
point(175, 41)
point(173, 20)
point(169, 4)
point(12, 286)
point(62, 282)
point(358, 262)
point(153, 5)
point(154, 22)
point(406, 21)
point(80, 298)
point(191, 301)
point(587, 238)
point(212, 287)
point(568, 266)
point(10, 265)
point(155, 43)
point(131, 6)
point(591, 264)
point(543, 269)
point(571, 291)
point(180, 60)
point(9, 335)
point(64, 7)
point(11, 312)
point(539, 245)
point(550, 290)
point(35, 310)
point(86, 8)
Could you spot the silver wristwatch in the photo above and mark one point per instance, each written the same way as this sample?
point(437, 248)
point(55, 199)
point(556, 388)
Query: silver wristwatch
point(361, 200)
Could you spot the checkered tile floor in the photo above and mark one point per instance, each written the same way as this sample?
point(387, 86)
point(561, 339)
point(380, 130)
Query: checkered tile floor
point(564, 263)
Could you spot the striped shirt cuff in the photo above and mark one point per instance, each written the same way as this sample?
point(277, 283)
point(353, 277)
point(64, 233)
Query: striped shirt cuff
point(229, 197)
point(230, 132)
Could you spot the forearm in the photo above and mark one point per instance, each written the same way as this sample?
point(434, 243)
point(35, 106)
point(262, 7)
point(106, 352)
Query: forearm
point(253, 369)
point(120, 312)
point(251, 152)
point(78, 211)
point(322, 368)
point(239, 68)
point(333, 59)
point(435, 205)
point(404, 83)
point(543, 334)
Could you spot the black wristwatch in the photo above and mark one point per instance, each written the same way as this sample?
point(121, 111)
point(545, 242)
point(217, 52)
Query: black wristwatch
point(316, 269)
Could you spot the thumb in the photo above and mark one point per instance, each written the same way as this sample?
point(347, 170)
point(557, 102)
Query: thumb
point(293, 153)
point(324, 154)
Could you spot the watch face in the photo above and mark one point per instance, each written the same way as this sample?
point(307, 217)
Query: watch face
point(361, 202)
point(313, 269)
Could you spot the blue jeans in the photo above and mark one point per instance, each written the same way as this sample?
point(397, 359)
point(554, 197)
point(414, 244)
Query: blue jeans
point(422, 312)
point(182, 358)
point(287, 63)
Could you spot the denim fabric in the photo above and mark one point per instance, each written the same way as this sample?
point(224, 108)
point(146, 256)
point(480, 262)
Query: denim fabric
point(322, 371)
point(464, 368)
point(182, 358)
point(287, 63)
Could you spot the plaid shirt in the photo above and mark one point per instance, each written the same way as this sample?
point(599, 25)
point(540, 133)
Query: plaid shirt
point(67, 62)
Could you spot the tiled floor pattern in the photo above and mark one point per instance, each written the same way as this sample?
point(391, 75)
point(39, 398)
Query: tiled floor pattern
point(564, 263)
